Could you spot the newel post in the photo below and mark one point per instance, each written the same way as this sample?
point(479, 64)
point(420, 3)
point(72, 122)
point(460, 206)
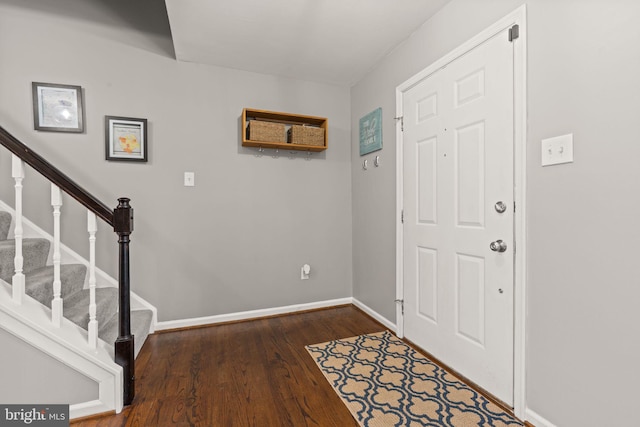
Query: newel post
point(124, 345)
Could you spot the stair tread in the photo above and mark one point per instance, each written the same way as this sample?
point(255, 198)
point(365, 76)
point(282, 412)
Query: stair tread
point(140, 326)
point(5, 223)
point(39, 285)
point(76, 306)
point(35, 252)
point(39, 282)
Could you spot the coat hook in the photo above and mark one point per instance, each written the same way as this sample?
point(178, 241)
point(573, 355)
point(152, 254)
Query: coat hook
point(365, 164)
point(376, 161)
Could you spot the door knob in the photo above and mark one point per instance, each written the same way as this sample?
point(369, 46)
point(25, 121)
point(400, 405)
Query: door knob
point(500, 207)
point(498, 246)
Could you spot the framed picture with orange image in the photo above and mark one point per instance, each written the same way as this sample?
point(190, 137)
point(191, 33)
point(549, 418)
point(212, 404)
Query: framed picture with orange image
point(125, 139)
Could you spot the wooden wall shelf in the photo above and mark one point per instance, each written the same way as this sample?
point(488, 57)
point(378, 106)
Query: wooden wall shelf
point(287, 119)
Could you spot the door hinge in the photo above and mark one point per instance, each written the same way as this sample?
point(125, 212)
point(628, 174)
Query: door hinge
point(401, 118)
point(402, 216)
point(401, 301)
point(514, 32)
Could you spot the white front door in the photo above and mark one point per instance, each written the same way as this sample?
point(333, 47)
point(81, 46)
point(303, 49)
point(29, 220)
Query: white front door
point(458, 191)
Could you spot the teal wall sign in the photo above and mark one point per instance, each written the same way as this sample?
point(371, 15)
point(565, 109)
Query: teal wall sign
point(371, 132)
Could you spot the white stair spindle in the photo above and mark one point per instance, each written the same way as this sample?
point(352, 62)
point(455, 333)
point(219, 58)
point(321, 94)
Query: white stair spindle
point(18, 280)
point(56, 304)
point(92, 227)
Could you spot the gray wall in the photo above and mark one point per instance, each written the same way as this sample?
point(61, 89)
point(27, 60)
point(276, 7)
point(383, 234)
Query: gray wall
point(583, 67)
point(30, 376)
point(234, 242)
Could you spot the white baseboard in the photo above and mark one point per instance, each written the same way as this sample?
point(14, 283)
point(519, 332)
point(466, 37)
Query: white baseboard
point(386, 322)
point(247, 315)
point(87, 409)
point(537, 420)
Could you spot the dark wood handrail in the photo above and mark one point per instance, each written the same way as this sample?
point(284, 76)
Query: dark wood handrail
point(121, 219)
point(54, 175)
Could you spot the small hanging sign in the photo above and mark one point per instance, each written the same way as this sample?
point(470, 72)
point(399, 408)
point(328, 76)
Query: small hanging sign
point(371, 132)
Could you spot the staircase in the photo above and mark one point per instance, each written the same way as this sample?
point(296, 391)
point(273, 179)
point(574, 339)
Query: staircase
point(60, 303)
point(39, 286)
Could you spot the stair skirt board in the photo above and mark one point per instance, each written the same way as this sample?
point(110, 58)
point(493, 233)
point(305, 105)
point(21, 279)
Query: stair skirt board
point(75, 310)
point(30, 323)
point(69, 256)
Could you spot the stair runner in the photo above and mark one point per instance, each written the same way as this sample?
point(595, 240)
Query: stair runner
point(39, 286)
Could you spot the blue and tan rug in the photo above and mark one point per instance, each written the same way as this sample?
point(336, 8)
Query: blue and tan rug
point(386, 383)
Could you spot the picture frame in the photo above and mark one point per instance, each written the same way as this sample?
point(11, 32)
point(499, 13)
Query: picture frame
point(126, 139)
point(57, 107)
point(371, 132)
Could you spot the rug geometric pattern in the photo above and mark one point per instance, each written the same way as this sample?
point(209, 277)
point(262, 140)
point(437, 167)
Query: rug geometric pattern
point(386, 383)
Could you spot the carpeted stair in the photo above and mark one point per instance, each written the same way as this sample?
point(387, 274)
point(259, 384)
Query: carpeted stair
point(39, 286)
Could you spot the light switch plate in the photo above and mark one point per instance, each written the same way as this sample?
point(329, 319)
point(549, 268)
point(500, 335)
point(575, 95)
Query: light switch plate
point(189, 179)
point(557, 150)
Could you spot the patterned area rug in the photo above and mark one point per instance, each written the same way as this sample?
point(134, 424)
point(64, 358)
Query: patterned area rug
point(386, 383)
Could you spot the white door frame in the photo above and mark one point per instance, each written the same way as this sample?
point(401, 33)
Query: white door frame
point(517, 17)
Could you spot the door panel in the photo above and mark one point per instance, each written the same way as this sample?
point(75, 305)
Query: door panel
point(457, 163)
point(470, 315)
point(427, 178)
point(428, 290)
point(469, 173)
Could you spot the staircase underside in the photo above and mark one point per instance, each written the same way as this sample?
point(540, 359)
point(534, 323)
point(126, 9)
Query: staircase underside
point(39, 278)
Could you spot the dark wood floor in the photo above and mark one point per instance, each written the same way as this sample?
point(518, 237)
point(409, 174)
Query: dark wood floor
point(254, 373)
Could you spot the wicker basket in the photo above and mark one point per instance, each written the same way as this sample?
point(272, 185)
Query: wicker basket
point(266, 131)
point(305, 135)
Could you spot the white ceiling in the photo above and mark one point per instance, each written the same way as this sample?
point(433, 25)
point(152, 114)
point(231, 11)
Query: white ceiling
point(329, 41)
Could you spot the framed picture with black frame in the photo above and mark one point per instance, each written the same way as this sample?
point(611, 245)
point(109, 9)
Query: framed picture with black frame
point(126, 139)
point(57, 108)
